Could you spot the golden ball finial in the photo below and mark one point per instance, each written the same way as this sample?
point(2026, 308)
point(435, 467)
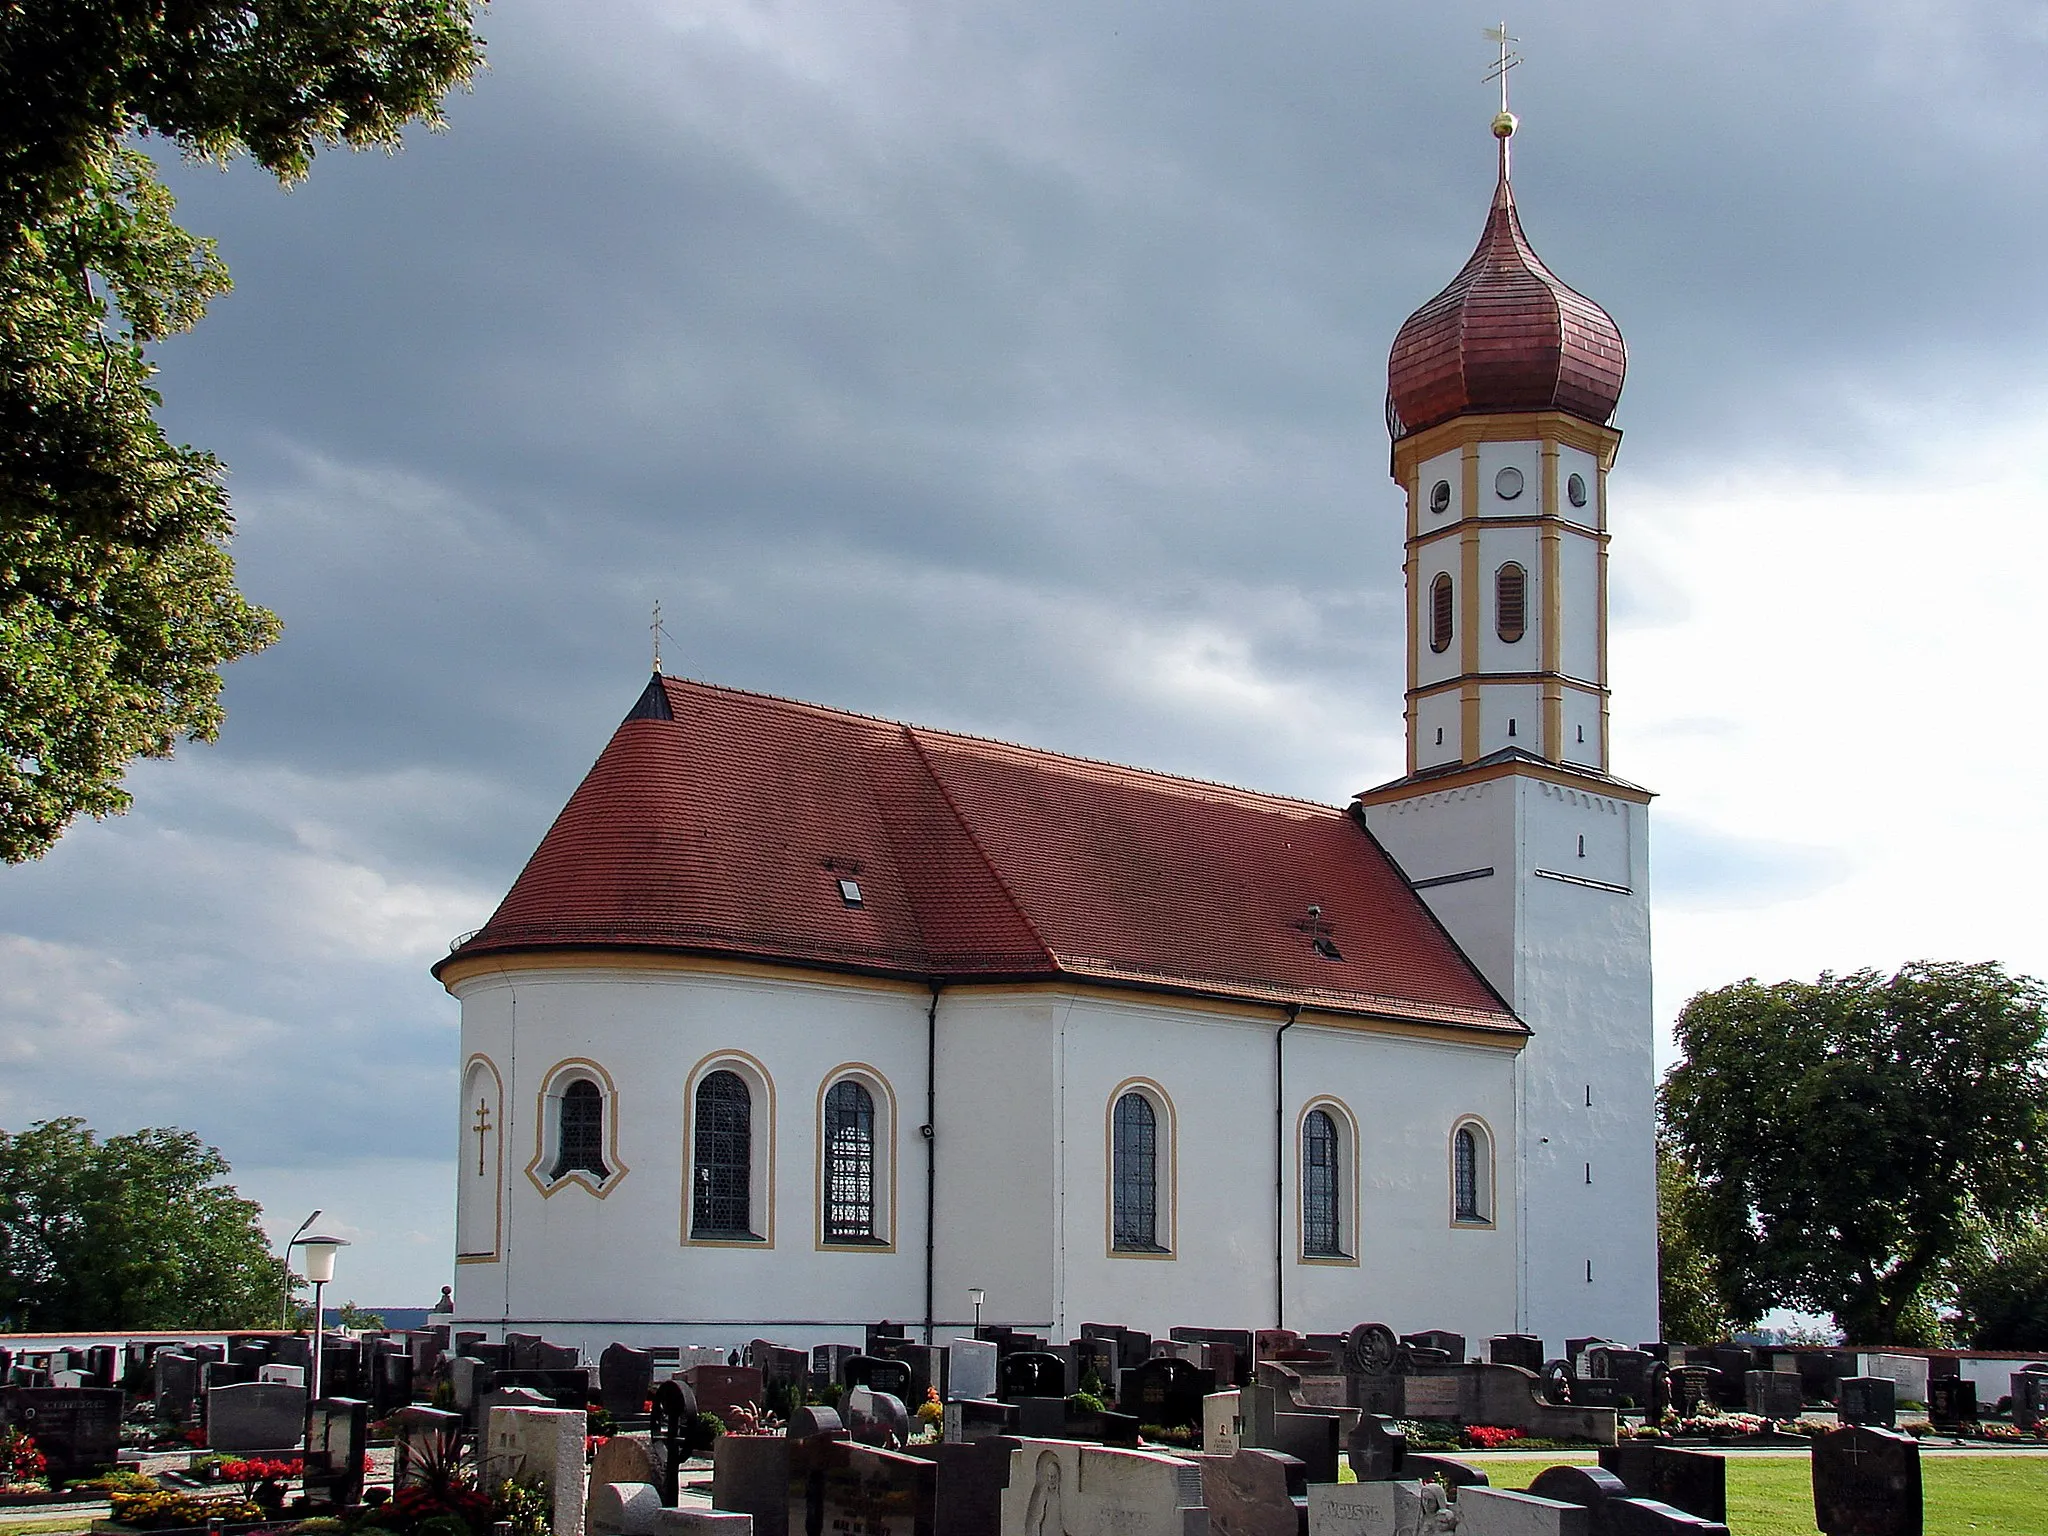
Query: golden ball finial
point(1504, 125)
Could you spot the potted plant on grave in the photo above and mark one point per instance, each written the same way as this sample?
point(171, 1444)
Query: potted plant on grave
point(22, 1466)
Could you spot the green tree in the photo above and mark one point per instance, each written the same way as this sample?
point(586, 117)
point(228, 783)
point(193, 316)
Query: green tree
point(2002, 1293)
point(1688, 1298)
point(117, 598)
point(1853, 1135)
point(132, 1232)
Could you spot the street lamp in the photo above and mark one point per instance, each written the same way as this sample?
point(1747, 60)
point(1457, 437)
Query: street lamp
point(977, 1295)
point(319, 1270)
point(284, 1316)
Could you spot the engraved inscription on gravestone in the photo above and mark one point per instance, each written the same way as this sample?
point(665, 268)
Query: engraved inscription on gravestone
point(1866, 1482)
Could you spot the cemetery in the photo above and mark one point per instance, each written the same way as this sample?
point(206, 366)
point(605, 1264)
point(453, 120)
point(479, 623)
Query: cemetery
point(446, 1431)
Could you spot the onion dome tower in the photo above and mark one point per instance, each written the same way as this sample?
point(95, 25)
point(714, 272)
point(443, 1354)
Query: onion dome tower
point(1500, 395)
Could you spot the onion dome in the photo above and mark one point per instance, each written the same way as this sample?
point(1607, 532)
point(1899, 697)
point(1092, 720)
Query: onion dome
point(1506, 335)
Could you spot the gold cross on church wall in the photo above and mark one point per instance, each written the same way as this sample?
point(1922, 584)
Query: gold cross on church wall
point(482, 1129)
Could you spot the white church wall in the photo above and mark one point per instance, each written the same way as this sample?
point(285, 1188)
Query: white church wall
point(1576, 461)
point(1449, 468)
point(1523, 457)
point(619, 1262)
point(1498, 546)
point(1511, 715)
point(1436, 729)
point(1461, 832)
point(1581, 720)
point(1438, 558)
point(1579, 572)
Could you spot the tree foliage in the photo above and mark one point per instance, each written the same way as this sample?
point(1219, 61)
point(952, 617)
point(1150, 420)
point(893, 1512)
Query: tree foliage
point(1688, 1300)
point(132, 1232)
point(2002, 1292)
point(1854, 1136)
point(117, 598)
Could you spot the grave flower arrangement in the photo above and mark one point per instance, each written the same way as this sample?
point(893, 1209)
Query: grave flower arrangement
point(1489, 1437)
point(21, 1465)
point(931, 1410)
point(162, 1509)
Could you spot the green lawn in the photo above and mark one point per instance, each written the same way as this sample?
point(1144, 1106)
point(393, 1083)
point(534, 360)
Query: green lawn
point(1773, 1495)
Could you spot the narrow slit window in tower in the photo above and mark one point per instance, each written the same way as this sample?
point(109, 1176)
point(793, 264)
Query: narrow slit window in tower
point(1440, 613)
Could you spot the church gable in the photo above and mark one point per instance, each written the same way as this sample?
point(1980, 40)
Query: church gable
point(762, 828)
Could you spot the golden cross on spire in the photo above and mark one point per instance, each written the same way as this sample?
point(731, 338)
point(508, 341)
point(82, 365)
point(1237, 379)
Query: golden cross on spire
point(482, 1129)
point(657, 631)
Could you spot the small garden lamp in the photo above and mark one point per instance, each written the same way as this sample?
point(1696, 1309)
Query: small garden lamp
point(977, 1295)
point(319, 1269)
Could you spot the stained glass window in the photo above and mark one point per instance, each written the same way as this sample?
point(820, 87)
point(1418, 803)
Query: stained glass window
point(1465, 1160)
point(1135, 1174)
point(1321, 1236)
point(849, 1164)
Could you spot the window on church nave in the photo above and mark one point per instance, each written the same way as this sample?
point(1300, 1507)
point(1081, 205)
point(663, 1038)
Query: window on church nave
point(1321, 1218)
point(579, 1137)
point(1471, 1174)
point(721, 1198)
point(850, 1215)
point(1135, 1175)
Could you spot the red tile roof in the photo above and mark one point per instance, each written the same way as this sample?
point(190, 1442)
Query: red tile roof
point(1506, 335)
point(725, 827)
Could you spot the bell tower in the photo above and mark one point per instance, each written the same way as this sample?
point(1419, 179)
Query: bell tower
point(1509, 820)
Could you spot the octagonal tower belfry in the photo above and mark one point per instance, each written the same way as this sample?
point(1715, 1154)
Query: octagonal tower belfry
point(1509, 819)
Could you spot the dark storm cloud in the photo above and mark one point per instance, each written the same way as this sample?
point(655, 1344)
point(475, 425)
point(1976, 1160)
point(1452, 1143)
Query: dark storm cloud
point(1011, 367)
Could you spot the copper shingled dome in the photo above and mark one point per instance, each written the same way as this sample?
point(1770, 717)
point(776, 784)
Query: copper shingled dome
point(1506, 335)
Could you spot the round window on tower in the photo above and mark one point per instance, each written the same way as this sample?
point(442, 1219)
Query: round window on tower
point(1507, 485)
point(1440, 496)
point(1575, 490)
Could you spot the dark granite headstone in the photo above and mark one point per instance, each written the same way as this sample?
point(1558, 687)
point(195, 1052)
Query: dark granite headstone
point(972, 1478)
point(1869, 1400)
point(1733, 1361)
point(2029, 1398)
point(1166, 1392)
point(876, 1373)
point(671, 1434)
point(1951, 1403)
point(722, 1388)
point(1313, 1439)
point(836, 1486)
point(1694, 1481)
point(225, 1373)
point(875, 1333)
point(423, 1439)
point(391, 1382)
point(1694, 1389)
point(521, 1351)
point(254, 1416)
point(564, 1389)
point(1378, 1449)
point(1773, 1394)
point(337, 1437)
point(1635, 1516)
point(177, 1385)
point(1592, 1488)
point(1448, 1470)
point(103, 1361)
point(1032, 1373)
point(1041, 1418)
point(1866, 1482)
point(1452, 1345)
point(78, 1429)
point(876, 1418)
point(750, 1476)
point(556, 1357)
point(1523, 1349)
point(968, 1419)
point(825, 1362)
point(625, 1376)
point(1255, 1493)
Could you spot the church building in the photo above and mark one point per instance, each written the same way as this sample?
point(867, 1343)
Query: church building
point(800, 1019)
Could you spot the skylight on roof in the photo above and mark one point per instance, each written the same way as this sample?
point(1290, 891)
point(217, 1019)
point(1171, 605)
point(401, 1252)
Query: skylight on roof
point(849, 892)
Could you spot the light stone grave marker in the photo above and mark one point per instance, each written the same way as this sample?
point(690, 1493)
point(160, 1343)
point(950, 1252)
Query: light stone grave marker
point(1497, 1512)
point(1087, 1490)
point(546, 1442)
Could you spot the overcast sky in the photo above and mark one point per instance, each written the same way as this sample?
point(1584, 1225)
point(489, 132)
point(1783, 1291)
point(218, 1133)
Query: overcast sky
point(1016, 366)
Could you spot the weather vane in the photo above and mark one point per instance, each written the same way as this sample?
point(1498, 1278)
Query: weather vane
point(1504, 121)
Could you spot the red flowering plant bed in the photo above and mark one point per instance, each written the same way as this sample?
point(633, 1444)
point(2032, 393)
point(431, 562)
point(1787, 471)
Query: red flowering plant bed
point(21, 1467)
point(1489, 1437)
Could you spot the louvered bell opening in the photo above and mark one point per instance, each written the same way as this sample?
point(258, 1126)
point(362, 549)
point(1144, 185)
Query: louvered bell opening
point(1511, 602)
point(1440, 613)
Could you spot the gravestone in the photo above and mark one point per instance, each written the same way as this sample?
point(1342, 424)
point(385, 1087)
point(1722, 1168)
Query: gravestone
point(877, 1373)
point(874, 1334)
point(1452, 1345)
point(1951, 1403)
point(423, 1440)
point(625, 1377)
point(1447, 1470)
point(973, 1477)
point(469, 1379)
point(1694, 1389)
point(1870, 1400)
point(825, 1362)
point(750, 1476)
point(390, 1382)
point(1132, 1347)
point(968, 1419)
point(1222, 1428)
point(1908, 1371)
point(1592, 1488)
point(621, 1509)
point(671, 1434)
point(557, 1357)
point(1378, 1449)
point(563, 1388)
point(1255, 1493)
point(1866, 1482)
point(254, 1416)
point(971, 1373)
point(1496, 1512)
point(1774, 1394)
point(521, 1351)
point(177, 1385)
point(337, 1439)
point(2029, 1398)
point(1059, 1487)
point(837, 1486)
point(1166, 1392)
point(1733, 1361)
point(622, 1459)
point(876, 1418)
point(1031, 1373)
point(104, 1362)
point(78, 1429)
point(283, 1375)
point(1694, 1481)
point(1365, 1509)
point(541, 1442)
point(1523, 1349)
point(722, 1388)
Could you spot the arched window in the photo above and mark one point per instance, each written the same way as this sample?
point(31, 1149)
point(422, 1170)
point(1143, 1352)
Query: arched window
point(1440, 612)
point(579, 1137)
point(1511, 602)
point(849, 1163)
point(1321, 1224)
point(1135, 1174)
point(1471, 1173)
point(721, 1204)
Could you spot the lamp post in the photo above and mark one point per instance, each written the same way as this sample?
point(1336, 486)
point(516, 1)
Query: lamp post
point(977, 1295)
point(284, 1316)
point(319, 1270)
